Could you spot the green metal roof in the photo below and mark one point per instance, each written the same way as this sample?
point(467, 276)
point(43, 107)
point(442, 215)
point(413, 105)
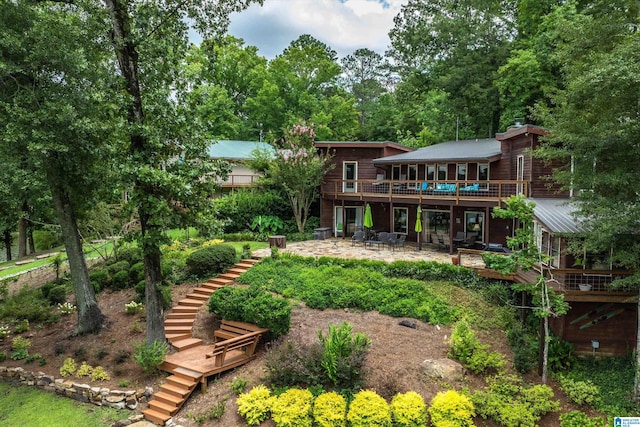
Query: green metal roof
point(236, 150)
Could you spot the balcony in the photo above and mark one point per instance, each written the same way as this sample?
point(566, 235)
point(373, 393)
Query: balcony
point(456, 191)
point(238, 181)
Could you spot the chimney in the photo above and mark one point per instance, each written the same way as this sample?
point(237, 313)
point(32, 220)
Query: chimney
point(519, 121)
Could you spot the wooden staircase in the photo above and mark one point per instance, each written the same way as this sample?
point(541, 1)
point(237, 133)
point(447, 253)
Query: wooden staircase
point(178, 331)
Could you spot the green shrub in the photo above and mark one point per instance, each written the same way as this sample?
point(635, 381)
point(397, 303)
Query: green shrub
point(560, 354)
point(131, 254)
point(3, 356)
point(136, 272)
point(43, 240)
point(525, 348)
point(580, 419)
point(27, 304)
point(408, 410)
point(451, 409)
point(99, 374)
point(57, 295)
point(255, 406)
point(150, 356)
point(465, 347)
point(84, 370)
point(165, 290)
point(100, 279)
point(238, 386)
point(510, 403)
point(343, 354)
point(579, 392)
point(118, 266)
point(21, 326)
point(120, 280)
point(252, 305)
point(68, 367)
point(20, 348)
point(293, 409)
point(211, 260)
point(330, 410)
point(368, 409)
point(291, 364)
point(240, 207)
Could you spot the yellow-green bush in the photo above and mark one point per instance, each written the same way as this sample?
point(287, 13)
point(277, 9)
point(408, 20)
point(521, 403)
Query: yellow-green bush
point(84, 370)
point(68, 367)
point(408, 410)
point(330, 410)
point(255, 406)
point(451, 409)
point(293, 408)
point(465, 347)
point(368, 409)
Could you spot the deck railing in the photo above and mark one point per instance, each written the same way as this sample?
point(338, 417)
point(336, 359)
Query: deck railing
point(560, 279)
point(448, 190)
point(239, 180)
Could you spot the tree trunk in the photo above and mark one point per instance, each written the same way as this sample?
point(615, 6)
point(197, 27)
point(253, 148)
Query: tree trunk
point(8, 240)
point(127, 55)
point(90, 318)
point(30, 242)
point(22, 231)
point(636, 380)
point(153, 281)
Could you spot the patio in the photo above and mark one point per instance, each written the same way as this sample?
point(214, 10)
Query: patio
point(342, 248)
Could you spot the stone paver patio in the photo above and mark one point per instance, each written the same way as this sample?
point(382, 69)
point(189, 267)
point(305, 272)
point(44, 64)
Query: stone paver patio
point(342, 248)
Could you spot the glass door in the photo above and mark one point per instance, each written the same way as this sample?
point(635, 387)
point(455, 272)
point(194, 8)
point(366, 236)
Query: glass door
point(520, 174)
point(337, 221)
point(353, 219)
point(349, 175)
point(474, 223)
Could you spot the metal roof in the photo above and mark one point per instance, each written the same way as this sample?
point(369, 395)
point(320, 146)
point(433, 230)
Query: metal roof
point(362, 144)
point(236, 150)
point(467, 150)
point(557, 215)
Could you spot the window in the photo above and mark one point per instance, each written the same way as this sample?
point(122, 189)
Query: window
point(483, 175)
point(520, 174)
point(462, 172)
point(349, 175)
point(395, 172)
point(430, 173)
point(442, 172)
point(400, 220)
point(474, 223)
point(413, 176)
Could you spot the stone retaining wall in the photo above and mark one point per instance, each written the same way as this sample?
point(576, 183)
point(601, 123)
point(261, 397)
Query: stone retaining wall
point(100, 396)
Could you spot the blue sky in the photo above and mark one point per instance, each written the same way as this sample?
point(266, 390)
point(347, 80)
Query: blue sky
point(344, 25)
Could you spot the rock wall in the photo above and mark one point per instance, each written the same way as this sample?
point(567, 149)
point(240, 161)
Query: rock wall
point(100, 396)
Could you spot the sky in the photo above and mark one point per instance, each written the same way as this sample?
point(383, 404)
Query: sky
point(343, 25)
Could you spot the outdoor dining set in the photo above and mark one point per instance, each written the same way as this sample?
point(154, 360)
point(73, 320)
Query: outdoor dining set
point(379, 240)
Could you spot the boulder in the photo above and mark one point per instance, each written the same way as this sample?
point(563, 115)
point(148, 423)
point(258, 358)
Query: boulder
point(442, 369)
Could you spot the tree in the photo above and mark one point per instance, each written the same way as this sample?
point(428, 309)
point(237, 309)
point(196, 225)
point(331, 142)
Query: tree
point(297, 168)
point(595, 118)
point(302, 83)
point(165, 156)
point(457, 46)
point(525, 256)
point(49, 95)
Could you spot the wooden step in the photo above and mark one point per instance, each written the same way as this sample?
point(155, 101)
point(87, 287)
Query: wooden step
point(182, 381)
point(189, 315)
point(228, 276)
point(163, 407)
point(207, 290)
point(181, 345)
point(156, 417)
point(177, 336)
point(179, 322)
point(190, 302)
point(170, 399)
point(252, 260)
point(185, 309)
point(169, 330)
point(220, 281)
point(178, 392)
point(201, 297)
point(187, 373)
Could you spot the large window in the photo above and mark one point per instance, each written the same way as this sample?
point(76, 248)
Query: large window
point(474, 223)
point(442, 172)
point(462, 172)
point(430, 173)
point(413, 176)
point(400, 220)
point(483, 175)
point(395, 172)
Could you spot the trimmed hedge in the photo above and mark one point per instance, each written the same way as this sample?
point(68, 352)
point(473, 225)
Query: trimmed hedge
point(211, 260)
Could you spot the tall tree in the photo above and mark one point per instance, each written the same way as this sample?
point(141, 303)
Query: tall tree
point(150, 42)
point(458, 46)
point(595, 118)
point(303, 83)
point(48, 101)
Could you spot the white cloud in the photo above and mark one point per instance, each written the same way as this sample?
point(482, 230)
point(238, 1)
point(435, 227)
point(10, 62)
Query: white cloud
point(344, 25)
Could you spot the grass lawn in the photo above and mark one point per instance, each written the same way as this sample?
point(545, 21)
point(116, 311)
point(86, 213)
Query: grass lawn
point(24, 406)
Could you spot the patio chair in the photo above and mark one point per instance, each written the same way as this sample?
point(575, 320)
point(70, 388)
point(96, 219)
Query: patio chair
point(444, 241)
point(397, 242)
point(358, 237)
